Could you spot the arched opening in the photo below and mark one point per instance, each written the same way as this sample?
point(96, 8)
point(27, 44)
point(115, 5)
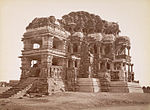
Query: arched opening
point(58, 44)
point(33, 62)
point(36, 46)
point(35, 68)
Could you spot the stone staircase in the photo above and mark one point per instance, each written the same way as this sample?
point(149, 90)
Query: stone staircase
point(104, 85)
point(19, 89)
point(125, 87)
point(118, 87)
point(134, 87)
point(88, 85)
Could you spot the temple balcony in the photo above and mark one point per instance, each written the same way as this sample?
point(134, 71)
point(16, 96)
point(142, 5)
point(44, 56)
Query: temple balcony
point(40, 51)
point(126, 57)
point(56, 72)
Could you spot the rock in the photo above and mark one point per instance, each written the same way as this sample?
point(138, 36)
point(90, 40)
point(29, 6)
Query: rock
point(20, 98)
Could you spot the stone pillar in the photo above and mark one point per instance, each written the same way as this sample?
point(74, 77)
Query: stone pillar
point(124, 51)
point(27, 44)
point(122, 72)
point(111, 66)
point(65, 46)
point(103, 50)
point(79, 48)
point(131, 67)
point(73, 63)
point(132, 73)
point(129, 73)
point(99, 66)
point(71, 48)
point(98, 49)
point(90, 72)
point(128, 51)
point(46, 63)
point(47, 42)
point(65, 62)
point(126, 73)
point(128, 68)
point(26, 65)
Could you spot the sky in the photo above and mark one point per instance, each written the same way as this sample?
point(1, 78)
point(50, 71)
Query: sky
point(133, 17)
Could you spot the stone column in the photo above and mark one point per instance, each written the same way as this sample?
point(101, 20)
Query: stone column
point(122, 72)
point(128, 51)
point(103, 50)
point(132, 73)
point(71, 48)
point(27, 44)
point(98, 49)
point(124, 51)
point(99, 66)
point(73, 63)
point(129, 73)
point(46, 63)
point(26, 65)
point(90, 72)
point(128, 68)
point(65, 46)
point(65, 62)
point(111, 66)
point(131, 67)
point(79, 48)
point(47, 42)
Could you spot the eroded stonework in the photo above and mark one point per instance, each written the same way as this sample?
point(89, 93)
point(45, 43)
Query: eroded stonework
point(80, 45)
point(80, 52)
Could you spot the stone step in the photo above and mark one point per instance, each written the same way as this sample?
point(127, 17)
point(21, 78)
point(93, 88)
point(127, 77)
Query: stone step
point(88, 85)
point(125, 87)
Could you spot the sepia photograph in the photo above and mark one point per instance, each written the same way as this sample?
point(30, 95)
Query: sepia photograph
point(74, 55)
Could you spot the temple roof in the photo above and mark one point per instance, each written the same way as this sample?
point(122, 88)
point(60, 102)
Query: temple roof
point(79, 21)
point(43, 21)
point(123, 39)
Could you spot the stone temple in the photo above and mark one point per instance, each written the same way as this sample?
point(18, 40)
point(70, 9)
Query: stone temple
point(80, 52)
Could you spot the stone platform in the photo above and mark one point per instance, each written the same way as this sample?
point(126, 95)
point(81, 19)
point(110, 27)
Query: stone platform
point(88, 85)
point(125, 87)
point(94, 85)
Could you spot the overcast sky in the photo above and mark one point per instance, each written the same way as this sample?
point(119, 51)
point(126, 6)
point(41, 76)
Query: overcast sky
point(133, 17)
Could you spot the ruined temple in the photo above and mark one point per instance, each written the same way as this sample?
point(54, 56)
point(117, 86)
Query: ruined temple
point(80, 52)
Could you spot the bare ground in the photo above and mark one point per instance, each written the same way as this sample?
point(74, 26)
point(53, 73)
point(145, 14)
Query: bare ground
point(80, 101)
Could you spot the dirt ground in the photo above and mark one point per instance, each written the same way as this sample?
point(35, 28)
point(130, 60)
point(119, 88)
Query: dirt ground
point(80, 101)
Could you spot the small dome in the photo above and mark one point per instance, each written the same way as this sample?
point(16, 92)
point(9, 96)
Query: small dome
point(108, 37)
point(97, 36)
point(123, 39)
point(78, 34)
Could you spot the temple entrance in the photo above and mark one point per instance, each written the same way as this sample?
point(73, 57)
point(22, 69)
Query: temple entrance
point(35, 68)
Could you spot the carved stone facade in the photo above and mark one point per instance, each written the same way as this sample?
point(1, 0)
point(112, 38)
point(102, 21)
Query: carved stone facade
point(82, 45)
